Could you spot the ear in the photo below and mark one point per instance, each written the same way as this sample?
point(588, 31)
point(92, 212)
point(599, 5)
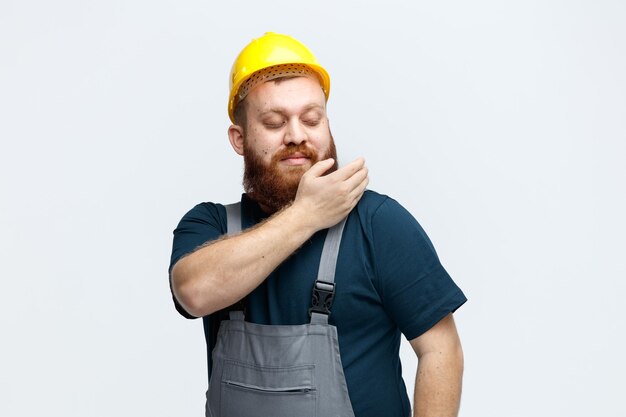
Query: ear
point(235, 135)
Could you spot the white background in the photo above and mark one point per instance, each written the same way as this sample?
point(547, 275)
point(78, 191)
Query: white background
point(500, 125)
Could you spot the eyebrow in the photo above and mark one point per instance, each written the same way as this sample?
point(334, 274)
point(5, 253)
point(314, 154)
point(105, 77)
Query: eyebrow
point(281, 110)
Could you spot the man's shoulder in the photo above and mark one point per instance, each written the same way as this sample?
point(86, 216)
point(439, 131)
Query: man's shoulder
point(373, 203)
point(371, 200)
point(205, 211)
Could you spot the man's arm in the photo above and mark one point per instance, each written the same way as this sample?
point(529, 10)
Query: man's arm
point(439, 371)
point(223, 272)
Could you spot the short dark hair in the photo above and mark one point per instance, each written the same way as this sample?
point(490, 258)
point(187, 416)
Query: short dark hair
point(240, 115)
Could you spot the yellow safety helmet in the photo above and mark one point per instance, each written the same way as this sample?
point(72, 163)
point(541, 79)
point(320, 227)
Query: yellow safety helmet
point(271, 56)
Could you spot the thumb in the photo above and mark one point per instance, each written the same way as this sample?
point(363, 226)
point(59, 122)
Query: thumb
point(321, 167)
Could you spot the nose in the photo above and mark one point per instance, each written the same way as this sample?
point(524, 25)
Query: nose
point(295, 133)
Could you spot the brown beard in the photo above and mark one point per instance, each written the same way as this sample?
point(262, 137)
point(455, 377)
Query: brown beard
point(274, 188)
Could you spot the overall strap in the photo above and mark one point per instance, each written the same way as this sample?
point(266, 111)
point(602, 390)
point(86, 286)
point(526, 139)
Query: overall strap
point(324, 286)
point(233, 226)
point(233, 218)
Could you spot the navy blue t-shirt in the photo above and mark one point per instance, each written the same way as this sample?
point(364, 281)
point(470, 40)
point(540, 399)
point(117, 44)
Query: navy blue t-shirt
point(388, 281)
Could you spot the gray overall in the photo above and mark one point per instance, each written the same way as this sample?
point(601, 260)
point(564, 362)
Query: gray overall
point(281, 371)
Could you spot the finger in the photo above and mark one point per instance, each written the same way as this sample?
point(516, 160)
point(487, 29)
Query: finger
point(358, 191)
point(319, 168)
point(357, 178)
point(347, 171)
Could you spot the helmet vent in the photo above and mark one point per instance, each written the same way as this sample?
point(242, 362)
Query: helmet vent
point(272, 73)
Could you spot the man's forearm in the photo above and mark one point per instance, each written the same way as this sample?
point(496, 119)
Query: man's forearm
point(223, 272)
point(438, 384)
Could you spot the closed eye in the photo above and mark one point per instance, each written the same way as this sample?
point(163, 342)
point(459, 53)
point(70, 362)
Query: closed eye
point(274, 125)
point(312, 122)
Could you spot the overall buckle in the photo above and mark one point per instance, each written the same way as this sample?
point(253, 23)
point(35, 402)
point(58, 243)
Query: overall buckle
point(322, 299)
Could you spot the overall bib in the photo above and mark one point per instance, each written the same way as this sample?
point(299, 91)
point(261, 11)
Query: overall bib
point(281, 371)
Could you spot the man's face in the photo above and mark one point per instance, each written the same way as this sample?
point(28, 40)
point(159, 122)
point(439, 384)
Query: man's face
point(287, 132)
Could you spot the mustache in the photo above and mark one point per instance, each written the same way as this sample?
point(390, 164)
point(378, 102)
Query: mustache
point(302, 148)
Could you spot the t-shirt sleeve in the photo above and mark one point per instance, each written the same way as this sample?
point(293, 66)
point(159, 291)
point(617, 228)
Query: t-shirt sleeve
point(415, 288)
point(203, 223)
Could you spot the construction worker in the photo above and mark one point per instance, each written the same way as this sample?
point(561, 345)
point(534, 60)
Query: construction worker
point(306, 284)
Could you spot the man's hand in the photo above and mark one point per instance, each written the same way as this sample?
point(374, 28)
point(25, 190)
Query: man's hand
point(323, 200)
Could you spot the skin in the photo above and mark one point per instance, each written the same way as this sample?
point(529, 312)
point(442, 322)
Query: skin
point(221, 273)
point(439, 371)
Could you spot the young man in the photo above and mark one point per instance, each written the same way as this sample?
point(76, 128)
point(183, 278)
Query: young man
point(310, 227)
